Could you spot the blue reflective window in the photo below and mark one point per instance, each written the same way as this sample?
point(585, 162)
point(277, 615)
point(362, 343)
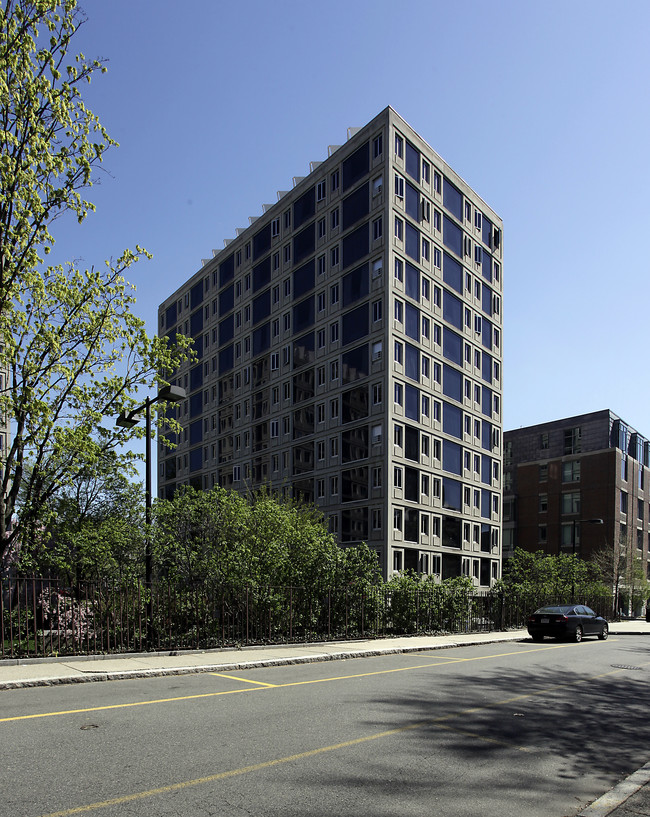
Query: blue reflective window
point(303, 279)
point(452, 382)
point(226, 359)
point(486, 333)
point(261, 307)
point(412, 162)
point(412, 241)
point(227, 270)
point(196, 432)
point(486, 470)
point(355, 206)
point(487, 231)
point(196, 377)
point(355, 364)
point(304, 208)
point(452, 236)
point(486, 503)
point(451, 457)
point(452, 346)
point(196, 459)
point(355, 324)
point(196, 322)
point(226, 300)
point(170, 315)
point(262, 241)
point(412, 282)
point(412, 202)
point(196, 295)
point(486, 436)
point(412, 362)
point(262, 274)
point(452, 309)
point(196, 403)
point(486, 367)
point(486, 267)
point(356, 166)
point(452, 273)
point(451, 494)
point(486, 300)
point(452, 420)
point(412, 321)
point(303, 315)
point(226, 330)
point(452, 199)
point(412, 402)
point(356, 245)
point(262, 338)
point(486, 401)
point(355, 285)
point(304, 243)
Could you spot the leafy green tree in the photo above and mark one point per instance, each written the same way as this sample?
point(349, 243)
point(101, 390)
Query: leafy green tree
point(95, 532)
point(542, 574)
point(259, 539)
point(71, 349)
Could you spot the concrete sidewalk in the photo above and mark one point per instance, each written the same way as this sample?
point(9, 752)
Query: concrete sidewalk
point(630, 798)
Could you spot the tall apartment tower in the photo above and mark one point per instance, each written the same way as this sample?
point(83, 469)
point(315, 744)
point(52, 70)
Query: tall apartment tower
point(349, 348)
point(563, 476)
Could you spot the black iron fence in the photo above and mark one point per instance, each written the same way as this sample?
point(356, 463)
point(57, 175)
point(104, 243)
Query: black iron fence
point(41, 617)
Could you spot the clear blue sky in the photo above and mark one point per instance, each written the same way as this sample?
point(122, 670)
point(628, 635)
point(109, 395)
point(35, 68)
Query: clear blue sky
point(543, 108)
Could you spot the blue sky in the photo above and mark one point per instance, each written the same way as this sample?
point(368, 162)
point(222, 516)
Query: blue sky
point(543, 108)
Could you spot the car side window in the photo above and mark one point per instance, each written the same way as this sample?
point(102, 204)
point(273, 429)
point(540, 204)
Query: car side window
point(589, 611)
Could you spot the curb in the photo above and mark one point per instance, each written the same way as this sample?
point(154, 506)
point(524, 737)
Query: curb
point(619, 794)
point(123, 675)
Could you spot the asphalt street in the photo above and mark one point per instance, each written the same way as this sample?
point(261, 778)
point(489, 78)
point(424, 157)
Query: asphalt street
point(502, 729)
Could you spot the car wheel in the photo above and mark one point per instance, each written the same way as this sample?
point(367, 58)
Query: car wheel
point(604, 633)
point(577, 636)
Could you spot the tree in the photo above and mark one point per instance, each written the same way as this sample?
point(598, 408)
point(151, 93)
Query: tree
point(71, 349)
point(95, 532)
point(541, 574)
point(230, 539)
point(622, 570)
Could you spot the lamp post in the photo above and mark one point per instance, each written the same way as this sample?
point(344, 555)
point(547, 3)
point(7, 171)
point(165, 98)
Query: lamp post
point(596, 521)
point(168, 394)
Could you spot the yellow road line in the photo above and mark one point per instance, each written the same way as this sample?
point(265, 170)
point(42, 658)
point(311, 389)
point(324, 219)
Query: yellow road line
point(439, 722)
point(244, 680)
point(262, 685)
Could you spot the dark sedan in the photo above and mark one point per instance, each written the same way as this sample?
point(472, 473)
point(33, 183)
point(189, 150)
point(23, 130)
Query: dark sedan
point(569, 621)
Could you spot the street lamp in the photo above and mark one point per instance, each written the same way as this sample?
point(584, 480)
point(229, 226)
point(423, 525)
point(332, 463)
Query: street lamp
point(168, 394)
point(596, 521)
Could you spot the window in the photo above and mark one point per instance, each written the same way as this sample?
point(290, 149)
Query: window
point(275, 227)
point(437, 258)
point(377, 146)
point(321, 265)
point(399, 229)
point(334, 181)
point(397, 477)
point(376, 394)
point(376, 311)
point(571, 471)
point(334, 294)
point(377, 185)
point(334, 486)
point(425, 249)
point(437, 182)
point(399, 311)
point(321, 301)
point(398, 354)
point(321, 228)
point(334, 332)
point(377, 229)
point(399, 146)
point(399, 394)
point(399, 186)
point(334, 256)
point(286, 253)
point(287, 219)
point(334, 219)
point(399, 270)
point(426, 170)
point(321, 190)
point(334, 370)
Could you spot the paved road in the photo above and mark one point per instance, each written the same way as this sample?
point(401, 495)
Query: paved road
point(501, 729)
